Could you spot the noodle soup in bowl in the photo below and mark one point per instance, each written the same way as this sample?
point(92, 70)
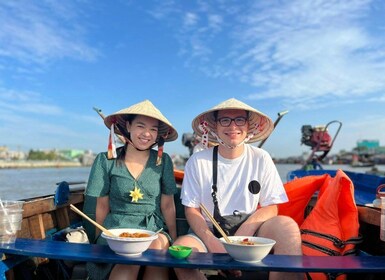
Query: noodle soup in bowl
point(128, 241)
point(248, 249)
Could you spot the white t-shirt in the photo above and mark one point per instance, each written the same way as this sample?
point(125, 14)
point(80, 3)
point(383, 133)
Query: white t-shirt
point(233, 179)
point(198, 147)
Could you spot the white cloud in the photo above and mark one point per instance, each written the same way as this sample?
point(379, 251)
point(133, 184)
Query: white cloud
point(26, 102)
point(293, 50)
point(190, 20)
point(315, 50)
point(30, 120)
point(215, 22)
point(38, 32)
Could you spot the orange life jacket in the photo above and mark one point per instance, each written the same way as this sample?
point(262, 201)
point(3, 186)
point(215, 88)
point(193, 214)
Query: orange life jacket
point(299, 192)
point(332, 227)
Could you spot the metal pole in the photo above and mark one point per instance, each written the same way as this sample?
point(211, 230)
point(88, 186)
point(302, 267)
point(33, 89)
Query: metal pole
point(99, 111)
point(280, 116)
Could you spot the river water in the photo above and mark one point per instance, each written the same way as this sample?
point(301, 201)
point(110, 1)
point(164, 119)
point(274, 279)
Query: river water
point(32, 182)
point(26, 183)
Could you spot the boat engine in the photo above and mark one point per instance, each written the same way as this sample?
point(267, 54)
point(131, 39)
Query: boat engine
point(189, 140)
point(320, 141)
point(316, 137)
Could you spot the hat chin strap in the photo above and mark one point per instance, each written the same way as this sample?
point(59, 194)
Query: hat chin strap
point(220, 141)
point(203, 126)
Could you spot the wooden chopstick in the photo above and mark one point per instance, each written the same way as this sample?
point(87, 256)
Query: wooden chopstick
point(102, 228)
point(208, 214)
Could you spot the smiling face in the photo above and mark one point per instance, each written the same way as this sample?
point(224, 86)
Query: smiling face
point(143, 131)
point(236, 131)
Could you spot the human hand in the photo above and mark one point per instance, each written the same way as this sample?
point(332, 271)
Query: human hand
point(215, 246)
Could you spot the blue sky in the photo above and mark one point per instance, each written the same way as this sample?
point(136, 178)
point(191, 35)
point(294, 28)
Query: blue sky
point(320, 60)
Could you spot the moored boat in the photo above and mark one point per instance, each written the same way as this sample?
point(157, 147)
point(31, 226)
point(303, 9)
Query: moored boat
point(356, 162)
point(362, 164)
point(48, 217)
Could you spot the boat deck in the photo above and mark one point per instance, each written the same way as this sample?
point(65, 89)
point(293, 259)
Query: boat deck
point(43, 217)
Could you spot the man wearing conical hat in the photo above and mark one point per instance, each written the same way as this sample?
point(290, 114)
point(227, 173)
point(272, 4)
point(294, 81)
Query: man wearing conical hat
point(237, 183)
point(135, 185)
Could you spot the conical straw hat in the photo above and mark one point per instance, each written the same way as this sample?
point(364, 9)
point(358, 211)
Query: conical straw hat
point(256, 118)
point(145, 108)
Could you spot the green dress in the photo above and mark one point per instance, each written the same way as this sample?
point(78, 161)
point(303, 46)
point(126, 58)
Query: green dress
point(107, 177)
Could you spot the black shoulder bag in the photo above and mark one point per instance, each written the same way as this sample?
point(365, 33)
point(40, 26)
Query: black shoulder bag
point(229, 223)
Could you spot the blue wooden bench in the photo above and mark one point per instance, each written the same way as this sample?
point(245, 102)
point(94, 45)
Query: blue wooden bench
point(23, 248)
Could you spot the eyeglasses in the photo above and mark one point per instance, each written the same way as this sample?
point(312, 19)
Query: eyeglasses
point(226, 121)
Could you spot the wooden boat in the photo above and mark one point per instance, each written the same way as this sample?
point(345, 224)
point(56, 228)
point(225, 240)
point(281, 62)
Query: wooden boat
point(47, 217)
point(356, 162)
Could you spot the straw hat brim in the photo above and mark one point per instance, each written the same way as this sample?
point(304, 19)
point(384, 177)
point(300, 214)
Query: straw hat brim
point(255, 117)
point(144, 108)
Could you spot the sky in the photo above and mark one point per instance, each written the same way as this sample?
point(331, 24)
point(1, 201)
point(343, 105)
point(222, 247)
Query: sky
point(322, 61)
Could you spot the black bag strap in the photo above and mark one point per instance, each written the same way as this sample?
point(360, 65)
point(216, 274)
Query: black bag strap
point(215, 168)
point(217, 214)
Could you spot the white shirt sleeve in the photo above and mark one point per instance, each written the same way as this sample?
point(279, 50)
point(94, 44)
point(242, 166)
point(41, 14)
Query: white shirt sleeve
point(273, 191)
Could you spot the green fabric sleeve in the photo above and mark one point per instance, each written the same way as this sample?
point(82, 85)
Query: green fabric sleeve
point(99, 182)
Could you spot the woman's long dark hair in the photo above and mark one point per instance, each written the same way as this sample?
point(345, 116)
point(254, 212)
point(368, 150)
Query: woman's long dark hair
point(122, 151)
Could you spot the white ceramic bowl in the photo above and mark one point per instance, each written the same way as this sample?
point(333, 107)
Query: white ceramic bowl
point(128, 246)
point(248, 253)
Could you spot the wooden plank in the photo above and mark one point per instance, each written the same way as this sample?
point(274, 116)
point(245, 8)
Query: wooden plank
point(41, 215)
point(40, 226)
point(38, 206)
point(62, 218)
point(24, 231)
point(36, 226)
point(33, 225)
point(46, 204)
point(369, 215)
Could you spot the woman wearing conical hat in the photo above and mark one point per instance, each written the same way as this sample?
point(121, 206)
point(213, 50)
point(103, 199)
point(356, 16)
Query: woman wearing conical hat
point(237, 183)
point(135, 184)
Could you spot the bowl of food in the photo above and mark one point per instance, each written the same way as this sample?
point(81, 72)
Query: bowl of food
point(179, 252)
point(248, 249)
point(128, 241)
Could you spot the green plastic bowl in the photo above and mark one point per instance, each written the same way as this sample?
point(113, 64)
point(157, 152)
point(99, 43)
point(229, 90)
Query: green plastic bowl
point(180, 252)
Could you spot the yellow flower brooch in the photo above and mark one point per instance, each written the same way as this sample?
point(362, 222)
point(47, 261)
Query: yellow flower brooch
point(136, 194)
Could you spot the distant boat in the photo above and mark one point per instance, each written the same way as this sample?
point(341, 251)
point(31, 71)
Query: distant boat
point(357, 163)
point(362, 164)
